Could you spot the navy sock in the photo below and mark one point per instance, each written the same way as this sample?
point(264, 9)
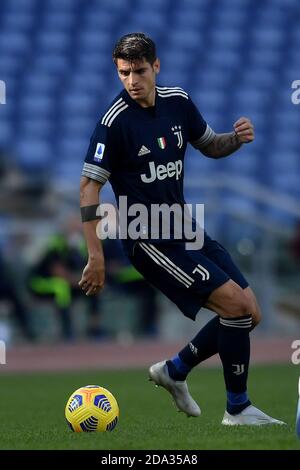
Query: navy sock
point(234, 350)
point(177, 369)
point(203, 346)
point(237, 402)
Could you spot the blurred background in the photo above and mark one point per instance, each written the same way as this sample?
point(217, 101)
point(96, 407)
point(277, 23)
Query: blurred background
point(235, 58)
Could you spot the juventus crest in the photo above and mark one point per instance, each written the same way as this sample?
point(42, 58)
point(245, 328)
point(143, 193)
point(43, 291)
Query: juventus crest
point(178, 133)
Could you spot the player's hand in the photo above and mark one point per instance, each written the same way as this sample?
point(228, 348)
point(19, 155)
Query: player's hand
point(244, 130)
point(93, 276)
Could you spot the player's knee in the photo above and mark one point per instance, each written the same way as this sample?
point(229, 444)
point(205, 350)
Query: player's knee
point(231, 301)
point(237, 305)
point(256, 317)
point(254, 307)
point(241, 307)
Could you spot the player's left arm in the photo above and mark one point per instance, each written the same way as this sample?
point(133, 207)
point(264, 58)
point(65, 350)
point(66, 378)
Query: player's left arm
point(223, 145)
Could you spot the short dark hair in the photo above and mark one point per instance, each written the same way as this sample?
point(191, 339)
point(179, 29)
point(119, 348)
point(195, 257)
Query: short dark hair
point(135, 47)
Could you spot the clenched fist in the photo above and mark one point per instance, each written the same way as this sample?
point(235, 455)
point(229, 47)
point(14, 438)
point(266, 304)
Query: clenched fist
point(244, 130)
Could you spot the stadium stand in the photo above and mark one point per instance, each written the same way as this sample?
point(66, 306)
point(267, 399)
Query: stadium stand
point(234, 57)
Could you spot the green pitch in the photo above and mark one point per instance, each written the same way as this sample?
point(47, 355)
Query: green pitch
point(32, 412)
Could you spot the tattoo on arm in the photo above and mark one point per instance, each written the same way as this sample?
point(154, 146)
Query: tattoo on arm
point(222, 145)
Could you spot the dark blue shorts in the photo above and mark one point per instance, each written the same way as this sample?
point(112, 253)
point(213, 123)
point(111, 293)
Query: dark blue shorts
point(187, 277)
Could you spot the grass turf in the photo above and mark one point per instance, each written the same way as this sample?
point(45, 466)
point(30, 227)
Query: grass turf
point(32, 412)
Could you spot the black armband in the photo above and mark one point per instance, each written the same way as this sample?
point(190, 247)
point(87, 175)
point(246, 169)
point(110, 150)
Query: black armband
point(89, 213)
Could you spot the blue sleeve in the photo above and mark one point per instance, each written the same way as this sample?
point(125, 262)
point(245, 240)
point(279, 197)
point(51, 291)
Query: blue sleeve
point(102, 153)
point(200, 133)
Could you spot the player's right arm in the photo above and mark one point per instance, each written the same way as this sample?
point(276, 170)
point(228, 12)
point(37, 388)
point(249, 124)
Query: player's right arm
point(98, 166)
point(93, 275)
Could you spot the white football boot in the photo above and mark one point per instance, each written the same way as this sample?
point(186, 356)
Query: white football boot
point(250, 416)
point(159, 374)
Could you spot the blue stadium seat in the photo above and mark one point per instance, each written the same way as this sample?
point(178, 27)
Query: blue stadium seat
point(36, 127)
point(213, 78)
point(59, 21)
point(210, 99)
point(17, 21)
point(265, 57)
point(226, 38)
point(238, 205)
point(173, 77)
point(229, 60)
point(146, 20)
point(258, 77)
point(9, 64)
point(252, 98)
point(157, 5)
point(78, 125)
point(54, 42)
point(17, 6)
point(233, 18)
point(34, 155)
point(98, 20)
point(34, 105)
point(13, 43)
point(75, 103)
point(268, 37)
point(285, 161)
point(40, 83)
point(189, 18)
point(52, 63)
point(195, 4)
point(182, 61)
point(93, 61)
point(62, 5)
point(88, 40)
point(185, 39)
point(6, 134)
point(85, 82)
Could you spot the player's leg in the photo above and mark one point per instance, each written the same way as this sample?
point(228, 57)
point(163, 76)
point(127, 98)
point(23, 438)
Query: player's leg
point(232, 304)
point(234, 309)
point(227, 334)
point(230, 337)
point(161, 266)
point(205, 343)
point(234, 346)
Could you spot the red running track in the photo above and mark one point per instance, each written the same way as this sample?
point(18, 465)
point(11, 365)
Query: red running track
point(113, 355)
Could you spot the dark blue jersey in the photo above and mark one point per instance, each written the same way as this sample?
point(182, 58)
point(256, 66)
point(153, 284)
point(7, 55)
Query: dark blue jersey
point(141, 150)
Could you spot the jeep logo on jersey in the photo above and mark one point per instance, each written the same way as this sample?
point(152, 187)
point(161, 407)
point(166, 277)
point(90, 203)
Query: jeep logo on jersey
point(163, 171)
point(99, 152)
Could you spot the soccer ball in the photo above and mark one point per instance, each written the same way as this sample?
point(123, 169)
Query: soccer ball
point(92, 408)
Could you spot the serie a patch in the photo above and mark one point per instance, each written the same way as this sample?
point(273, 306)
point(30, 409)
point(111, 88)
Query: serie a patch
point(99, 152)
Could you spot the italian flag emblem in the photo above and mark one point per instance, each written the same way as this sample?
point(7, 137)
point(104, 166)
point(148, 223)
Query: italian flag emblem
point(162, 142)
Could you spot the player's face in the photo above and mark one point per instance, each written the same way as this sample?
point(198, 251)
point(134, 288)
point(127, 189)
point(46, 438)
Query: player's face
point(138, 79)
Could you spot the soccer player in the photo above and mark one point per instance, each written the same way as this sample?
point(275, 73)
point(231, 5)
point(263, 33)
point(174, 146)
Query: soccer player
point(139, 145)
